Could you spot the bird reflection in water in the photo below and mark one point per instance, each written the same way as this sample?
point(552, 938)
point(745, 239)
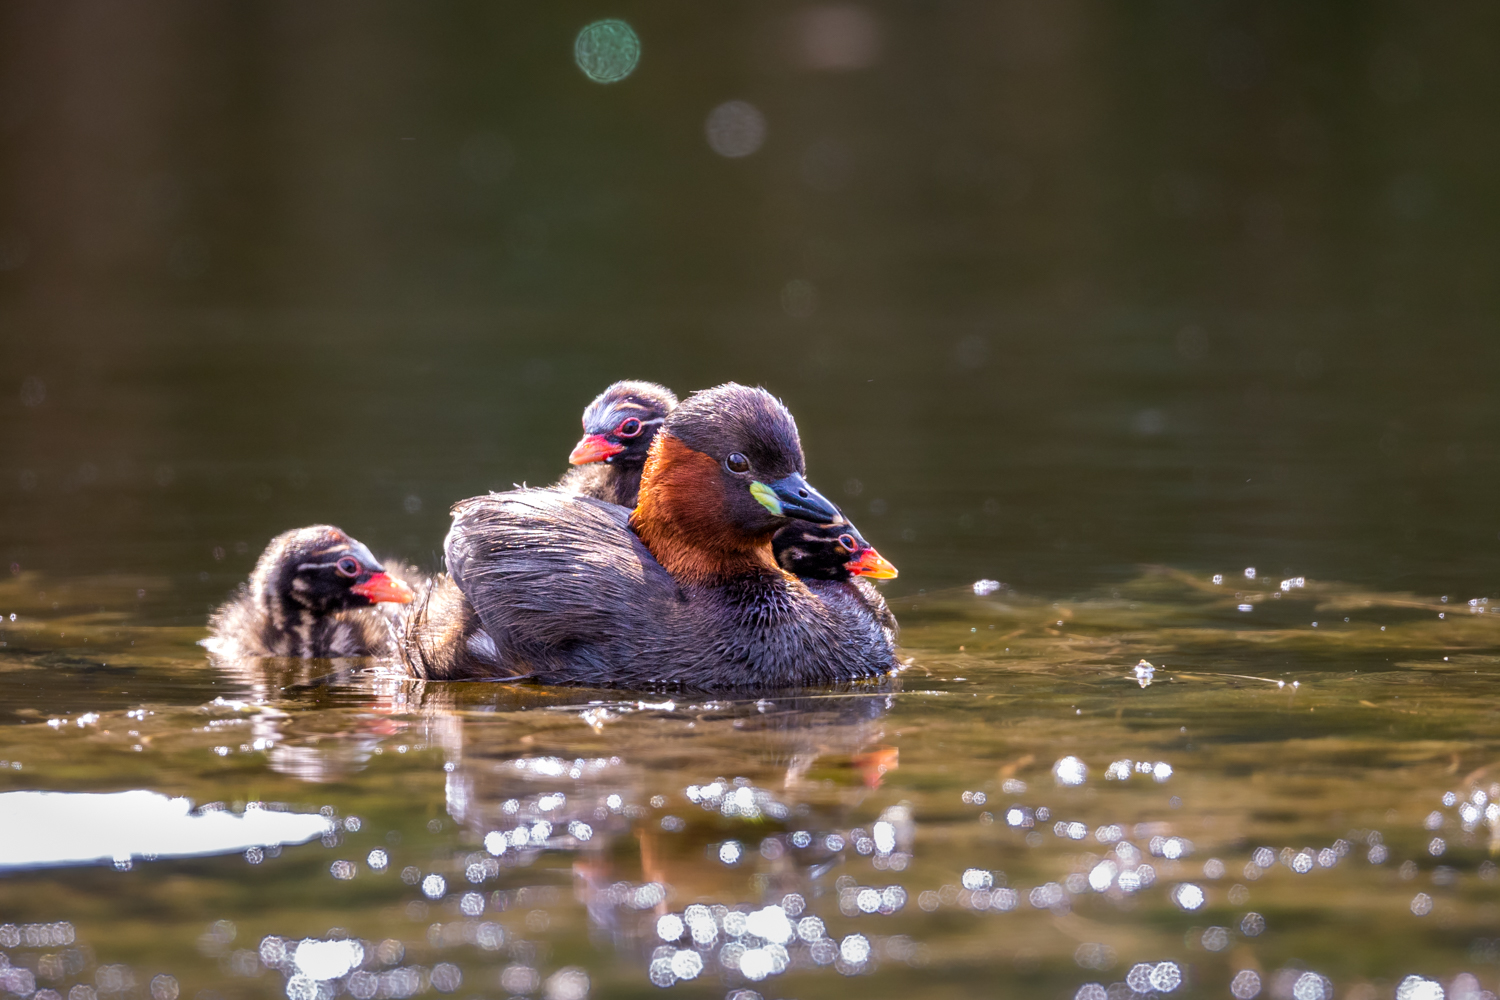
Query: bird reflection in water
point(641, 852)
point(532, 769)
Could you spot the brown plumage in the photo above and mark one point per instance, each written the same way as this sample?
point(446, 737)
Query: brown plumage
point(310, 595)
point(681, 519)
point(685, 591)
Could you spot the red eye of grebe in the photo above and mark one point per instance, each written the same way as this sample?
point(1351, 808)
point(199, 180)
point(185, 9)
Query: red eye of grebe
point(348, 566)
point(629, 428)
point(737, 463)
point(848, 542)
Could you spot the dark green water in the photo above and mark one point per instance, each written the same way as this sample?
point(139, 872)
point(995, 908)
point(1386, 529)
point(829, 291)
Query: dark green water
point(1095, 301)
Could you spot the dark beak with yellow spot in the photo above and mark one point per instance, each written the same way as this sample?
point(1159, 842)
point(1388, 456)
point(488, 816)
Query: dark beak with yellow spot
point(794, 496)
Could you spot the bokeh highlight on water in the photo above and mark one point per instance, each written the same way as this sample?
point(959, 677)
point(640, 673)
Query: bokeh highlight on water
point(1153, 344)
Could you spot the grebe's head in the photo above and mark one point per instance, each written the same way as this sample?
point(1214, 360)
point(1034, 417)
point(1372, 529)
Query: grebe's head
point(829, 552)
point(725, 472)
point(322, 569)
point(621, 422)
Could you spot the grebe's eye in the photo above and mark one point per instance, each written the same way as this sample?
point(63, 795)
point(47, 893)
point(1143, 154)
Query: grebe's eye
point(848, 542)
point(628, 428)
point(348, 566)
point(737, 463)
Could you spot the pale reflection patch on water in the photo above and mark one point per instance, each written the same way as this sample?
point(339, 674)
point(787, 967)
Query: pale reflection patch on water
point(42, 829)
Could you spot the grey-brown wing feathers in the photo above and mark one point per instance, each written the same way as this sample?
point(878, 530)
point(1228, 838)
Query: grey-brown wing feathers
point(568, 593)
point(545, 569)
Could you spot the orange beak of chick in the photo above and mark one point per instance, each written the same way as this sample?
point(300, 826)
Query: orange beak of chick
point(383, 587)
point(873, 565)
point(594, 448)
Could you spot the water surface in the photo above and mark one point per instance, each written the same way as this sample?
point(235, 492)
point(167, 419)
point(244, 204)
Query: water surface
point(1176, 779)
point(1097, 302)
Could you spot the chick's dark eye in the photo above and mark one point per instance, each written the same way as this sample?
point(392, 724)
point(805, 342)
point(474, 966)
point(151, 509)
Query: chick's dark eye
point(848, 542)
point(628, 428)
point(348, 566)
point(737, 463)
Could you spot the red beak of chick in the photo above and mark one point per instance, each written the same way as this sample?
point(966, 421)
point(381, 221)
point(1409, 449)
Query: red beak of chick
point(383, 587)
point(594, 448)
point(873, 565)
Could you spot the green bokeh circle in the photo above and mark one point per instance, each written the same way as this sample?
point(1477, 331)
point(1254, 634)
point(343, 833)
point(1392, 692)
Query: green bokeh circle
point(607, 51)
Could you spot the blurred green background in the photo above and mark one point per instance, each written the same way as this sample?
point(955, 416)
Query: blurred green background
point(1054, 288)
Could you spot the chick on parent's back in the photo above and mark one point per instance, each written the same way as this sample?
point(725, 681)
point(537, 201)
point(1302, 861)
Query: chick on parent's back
point(684, 590)
point(618, 428)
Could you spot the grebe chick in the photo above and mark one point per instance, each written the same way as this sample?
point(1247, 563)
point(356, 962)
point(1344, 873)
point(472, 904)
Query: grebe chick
point(618, 428)
point(837, 564)
point(308, 597)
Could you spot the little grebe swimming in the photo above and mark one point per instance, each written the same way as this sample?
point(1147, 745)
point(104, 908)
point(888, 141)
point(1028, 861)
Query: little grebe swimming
point(440, 636)
point(305, 599)
point(684, 590)
point(618, 428)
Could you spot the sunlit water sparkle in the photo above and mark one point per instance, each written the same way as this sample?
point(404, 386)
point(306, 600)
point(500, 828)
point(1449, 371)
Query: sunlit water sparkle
point(1225, 830)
